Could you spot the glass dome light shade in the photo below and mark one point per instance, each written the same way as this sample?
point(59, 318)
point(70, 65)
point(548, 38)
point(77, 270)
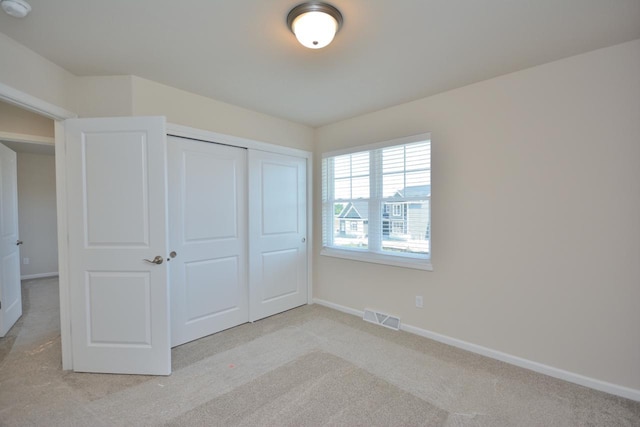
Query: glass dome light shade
point(315, 30)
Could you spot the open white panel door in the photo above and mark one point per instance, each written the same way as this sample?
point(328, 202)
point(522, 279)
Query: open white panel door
point(278, 233)
point(10, 291)
point(116, 186)
point(208, 233)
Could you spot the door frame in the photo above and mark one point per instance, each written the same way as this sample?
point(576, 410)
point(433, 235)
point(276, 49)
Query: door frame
point(39, 106)
point(58, 114)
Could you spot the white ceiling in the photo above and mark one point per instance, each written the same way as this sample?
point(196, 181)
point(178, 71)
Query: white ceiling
point(388, 51)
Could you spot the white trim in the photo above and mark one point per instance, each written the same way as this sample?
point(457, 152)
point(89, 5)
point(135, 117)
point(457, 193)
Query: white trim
point(31, 139)
point(63, 247)
point(310, 229)
point(607, 387)
point(366, 256)
point(33, 104)
point(39, 275)
point(421, 137)
point(338, 307)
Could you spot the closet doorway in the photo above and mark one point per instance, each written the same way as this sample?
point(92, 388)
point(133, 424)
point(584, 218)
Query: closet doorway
point(237, 230)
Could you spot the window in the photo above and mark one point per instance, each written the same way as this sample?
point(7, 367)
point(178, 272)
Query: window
point(387, 188)
point(398, 227)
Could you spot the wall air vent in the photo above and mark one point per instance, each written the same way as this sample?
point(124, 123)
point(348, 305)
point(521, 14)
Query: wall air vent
point(386, 320)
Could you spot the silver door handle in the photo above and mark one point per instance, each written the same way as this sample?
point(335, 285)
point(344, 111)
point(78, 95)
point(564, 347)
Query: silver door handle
point(19, 242)
point(156, 260)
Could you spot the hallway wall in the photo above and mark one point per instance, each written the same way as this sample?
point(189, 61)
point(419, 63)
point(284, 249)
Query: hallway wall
point(37, 214)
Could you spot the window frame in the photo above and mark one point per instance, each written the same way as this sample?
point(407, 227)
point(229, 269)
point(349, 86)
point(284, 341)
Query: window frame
point(371, 253)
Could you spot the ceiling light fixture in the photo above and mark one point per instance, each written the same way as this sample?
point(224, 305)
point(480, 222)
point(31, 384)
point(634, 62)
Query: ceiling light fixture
point(17, 8)
point(314, 23)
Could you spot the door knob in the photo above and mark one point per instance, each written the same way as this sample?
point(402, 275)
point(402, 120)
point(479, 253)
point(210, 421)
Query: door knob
point(156, 260)
point(19, 242)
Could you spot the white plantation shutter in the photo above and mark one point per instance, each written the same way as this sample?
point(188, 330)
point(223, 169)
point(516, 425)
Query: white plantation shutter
point(377, 202)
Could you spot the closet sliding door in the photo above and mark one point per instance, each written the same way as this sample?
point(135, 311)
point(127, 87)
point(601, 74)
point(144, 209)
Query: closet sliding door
point(208, 233)
point(277, 233)
point(240, 245)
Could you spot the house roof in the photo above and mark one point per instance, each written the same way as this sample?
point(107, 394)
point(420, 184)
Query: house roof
point(414, 191)
point(355, 210)
point(385, 54)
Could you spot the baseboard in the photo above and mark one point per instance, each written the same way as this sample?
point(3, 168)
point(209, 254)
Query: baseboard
point(582, 380)
point(38, 276)
point(339, 307)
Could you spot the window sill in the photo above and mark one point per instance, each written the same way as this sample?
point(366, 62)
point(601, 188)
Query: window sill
point(397, 261)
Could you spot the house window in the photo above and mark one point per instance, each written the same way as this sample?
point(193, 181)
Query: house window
point(354, 226)
point(386, 187)
point(398, 227)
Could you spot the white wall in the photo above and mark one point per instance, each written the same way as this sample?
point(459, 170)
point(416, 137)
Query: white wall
point(37, 213)
point(536, 216)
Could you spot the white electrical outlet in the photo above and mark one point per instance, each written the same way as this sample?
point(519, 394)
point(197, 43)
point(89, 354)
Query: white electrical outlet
point(25, 261)
point(419, 301)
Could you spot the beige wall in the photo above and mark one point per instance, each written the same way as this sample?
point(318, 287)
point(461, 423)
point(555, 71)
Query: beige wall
point(536, 200)
point(103, 96)
point(36, 191)
point(25, 70)
point(37, 213)
point(17, 120)
point(188, 109)
point(108, 96)
point(536, 216)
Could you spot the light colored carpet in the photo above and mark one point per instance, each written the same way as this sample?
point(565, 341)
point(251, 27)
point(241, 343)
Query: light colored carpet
point(309, 366)
point(315, 389)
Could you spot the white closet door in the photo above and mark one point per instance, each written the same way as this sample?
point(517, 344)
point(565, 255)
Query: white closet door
point(10, 291)
point(116, 203)
point(208, 232)
point(278, 233)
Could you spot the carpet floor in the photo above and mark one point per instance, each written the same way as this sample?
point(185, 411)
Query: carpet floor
point(311, 366)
